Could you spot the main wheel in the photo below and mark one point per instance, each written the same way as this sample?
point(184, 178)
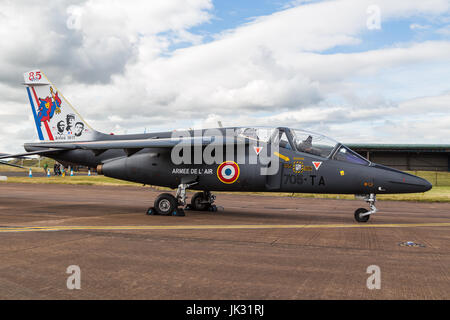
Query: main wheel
point(165, 204)
point(360, 218)
point(199, 202)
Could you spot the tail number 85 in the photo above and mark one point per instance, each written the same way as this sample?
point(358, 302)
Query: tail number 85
point(34, 76)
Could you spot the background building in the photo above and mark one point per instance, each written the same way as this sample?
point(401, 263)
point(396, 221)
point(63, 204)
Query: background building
point(432, 157)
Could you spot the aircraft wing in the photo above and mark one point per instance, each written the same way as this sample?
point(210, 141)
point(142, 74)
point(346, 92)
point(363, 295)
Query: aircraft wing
point(136, 144)
point(21, 155)
point(130, 146)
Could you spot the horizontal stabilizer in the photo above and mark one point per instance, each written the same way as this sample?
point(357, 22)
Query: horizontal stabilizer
point(40, 152)
point(11, 164)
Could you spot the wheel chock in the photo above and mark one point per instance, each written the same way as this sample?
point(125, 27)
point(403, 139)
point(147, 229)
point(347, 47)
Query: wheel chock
point(151, 211)
point(178, 212)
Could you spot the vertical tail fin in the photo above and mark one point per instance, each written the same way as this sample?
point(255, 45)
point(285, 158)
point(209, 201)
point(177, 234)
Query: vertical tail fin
point(55, 118)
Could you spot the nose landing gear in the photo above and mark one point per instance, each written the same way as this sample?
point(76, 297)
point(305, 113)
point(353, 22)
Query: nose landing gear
point(362, 214)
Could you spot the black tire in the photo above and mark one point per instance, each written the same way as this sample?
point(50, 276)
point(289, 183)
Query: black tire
point(165, 204)
point(358, 213)
point(198, 202)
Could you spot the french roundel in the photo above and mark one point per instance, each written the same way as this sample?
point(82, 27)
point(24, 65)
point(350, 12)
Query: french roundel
point(228, 172)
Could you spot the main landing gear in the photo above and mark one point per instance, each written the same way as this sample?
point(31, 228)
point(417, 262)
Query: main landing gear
point(362, 214)
point(168, 205)
point(203, 201)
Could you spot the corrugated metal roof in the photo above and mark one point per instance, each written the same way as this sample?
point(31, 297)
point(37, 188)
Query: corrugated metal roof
point(405, 147)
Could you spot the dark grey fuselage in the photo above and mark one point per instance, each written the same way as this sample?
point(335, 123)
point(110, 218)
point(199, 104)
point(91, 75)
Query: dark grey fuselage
point(296, 171)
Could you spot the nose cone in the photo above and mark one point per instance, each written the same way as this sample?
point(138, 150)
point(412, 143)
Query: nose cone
point(421, 184)
point(395, 181)
point(426, 185)
point(407, 183)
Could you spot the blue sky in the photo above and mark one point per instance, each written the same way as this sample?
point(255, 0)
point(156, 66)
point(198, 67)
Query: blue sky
point(227, 15)
point(399, 31)
point(397, 83)
point(233, 13)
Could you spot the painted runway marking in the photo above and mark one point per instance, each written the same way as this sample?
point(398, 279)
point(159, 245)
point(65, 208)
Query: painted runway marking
point(209, 227)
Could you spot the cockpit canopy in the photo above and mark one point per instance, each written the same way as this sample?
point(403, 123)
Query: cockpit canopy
point(313, 143)
point(305, 142)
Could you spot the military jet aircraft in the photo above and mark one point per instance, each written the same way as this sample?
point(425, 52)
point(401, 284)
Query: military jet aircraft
point(260, 159)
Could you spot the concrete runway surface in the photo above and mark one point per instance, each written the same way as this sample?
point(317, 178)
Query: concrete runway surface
point(258, 247)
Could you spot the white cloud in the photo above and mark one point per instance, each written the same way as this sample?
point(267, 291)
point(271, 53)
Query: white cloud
point(417, 26)
point(92, 39)
point(444, 31)
point(114, 64)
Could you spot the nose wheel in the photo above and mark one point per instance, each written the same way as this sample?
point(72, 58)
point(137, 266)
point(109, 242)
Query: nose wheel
point(359, 217)
point(362, 214)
